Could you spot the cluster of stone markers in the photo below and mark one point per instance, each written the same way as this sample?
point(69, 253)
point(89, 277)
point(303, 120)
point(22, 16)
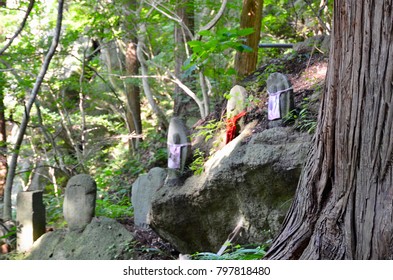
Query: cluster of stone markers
point(80, 194)
point(78, 210)
point(179, 147)
point(281, 102)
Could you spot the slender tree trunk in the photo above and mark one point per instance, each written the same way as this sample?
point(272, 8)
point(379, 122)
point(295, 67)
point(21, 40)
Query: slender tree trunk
point(245, 62)
point(185, 12)
point(3, 145)
point(343, 208)
point(133, 95)
point(132, 89)
point(7, 213)
point(146, 86)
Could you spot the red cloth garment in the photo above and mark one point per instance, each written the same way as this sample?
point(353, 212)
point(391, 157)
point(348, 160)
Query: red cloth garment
point(231, 126)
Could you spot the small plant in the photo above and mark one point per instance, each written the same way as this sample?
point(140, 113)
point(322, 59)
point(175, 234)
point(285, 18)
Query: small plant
point(303, 120)
point(113, 199)
point(115, 205)
point(237, 252)
point(208, 130)
point(199, 160)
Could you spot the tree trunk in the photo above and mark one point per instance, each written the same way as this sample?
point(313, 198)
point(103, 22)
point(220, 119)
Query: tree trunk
point(162, 120)
point(185, 12)
point(132, 89)
point(245, 62)
point(343, 208)
point(3, 145)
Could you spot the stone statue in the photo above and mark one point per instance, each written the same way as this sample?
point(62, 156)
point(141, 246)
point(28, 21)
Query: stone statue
point(79, 202)
point(236, 109)
point(281, 100)
point(179, 149)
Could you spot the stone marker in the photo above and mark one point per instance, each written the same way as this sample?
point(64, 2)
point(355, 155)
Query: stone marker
point(281, 100)
point(143, 190)
point(236, 109)
point(79, 202)
point(237, 101)
point(179, 149)
point(30, 218)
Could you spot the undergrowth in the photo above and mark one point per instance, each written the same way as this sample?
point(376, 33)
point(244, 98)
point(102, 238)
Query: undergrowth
point(236, 252)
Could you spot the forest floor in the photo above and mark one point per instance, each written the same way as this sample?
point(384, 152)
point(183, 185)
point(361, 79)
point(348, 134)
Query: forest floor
point(306, 74)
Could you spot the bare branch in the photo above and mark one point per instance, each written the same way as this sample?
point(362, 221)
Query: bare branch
point(173, 17)
point(214, 21)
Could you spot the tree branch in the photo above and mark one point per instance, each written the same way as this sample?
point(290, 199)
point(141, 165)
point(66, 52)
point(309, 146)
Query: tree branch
point(7, 214)
point(22, 25)
point(146, 87)
point(214, 21)
point(173, 17)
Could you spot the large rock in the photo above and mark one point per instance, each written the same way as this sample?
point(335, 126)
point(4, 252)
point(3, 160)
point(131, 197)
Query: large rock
point(251, 180)
point(102, 239)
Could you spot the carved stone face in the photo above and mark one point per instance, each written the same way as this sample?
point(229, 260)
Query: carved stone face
point(79, 202)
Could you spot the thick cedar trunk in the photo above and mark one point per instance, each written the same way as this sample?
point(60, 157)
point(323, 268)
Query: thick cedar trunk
point(343, 208)
point(245, 62)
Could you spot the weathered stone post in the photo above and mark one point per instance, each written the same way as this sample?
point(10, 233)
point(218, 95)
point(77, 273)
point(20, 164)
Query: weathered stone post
point(236, 109)
point(178, 149)
point(30, 217)
point(143, 190)
point(79, 202)
point(281, 100)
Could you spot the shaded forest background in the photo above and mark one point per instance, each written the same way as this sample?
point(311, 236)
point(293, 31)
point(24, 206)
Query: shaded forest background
point(120, 71)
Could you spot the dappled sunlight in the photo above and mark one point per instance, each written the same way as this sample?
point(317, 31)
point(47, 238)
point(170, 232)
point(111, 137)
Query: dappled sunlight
point(310, 77)
point(227, 150)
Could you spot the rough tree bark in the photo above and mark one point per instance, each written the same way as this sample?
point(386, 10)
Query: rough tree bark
point(245, 62)
point(343, 208)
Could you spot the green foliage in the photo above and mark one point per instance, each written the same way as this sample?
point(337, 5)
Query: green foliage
point(11, 233)
point(115, 206)
point(216, 43)
point(197, 166)
point(54, 207)
point(303, 120)
point(237, 252)
point(295, 20)
point(113, 199)
point(208, 130)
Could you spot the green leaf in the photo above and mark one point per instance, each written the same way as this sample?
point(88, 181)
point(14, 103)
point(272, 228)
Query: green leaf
point(205, 33)
point(245, 31)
